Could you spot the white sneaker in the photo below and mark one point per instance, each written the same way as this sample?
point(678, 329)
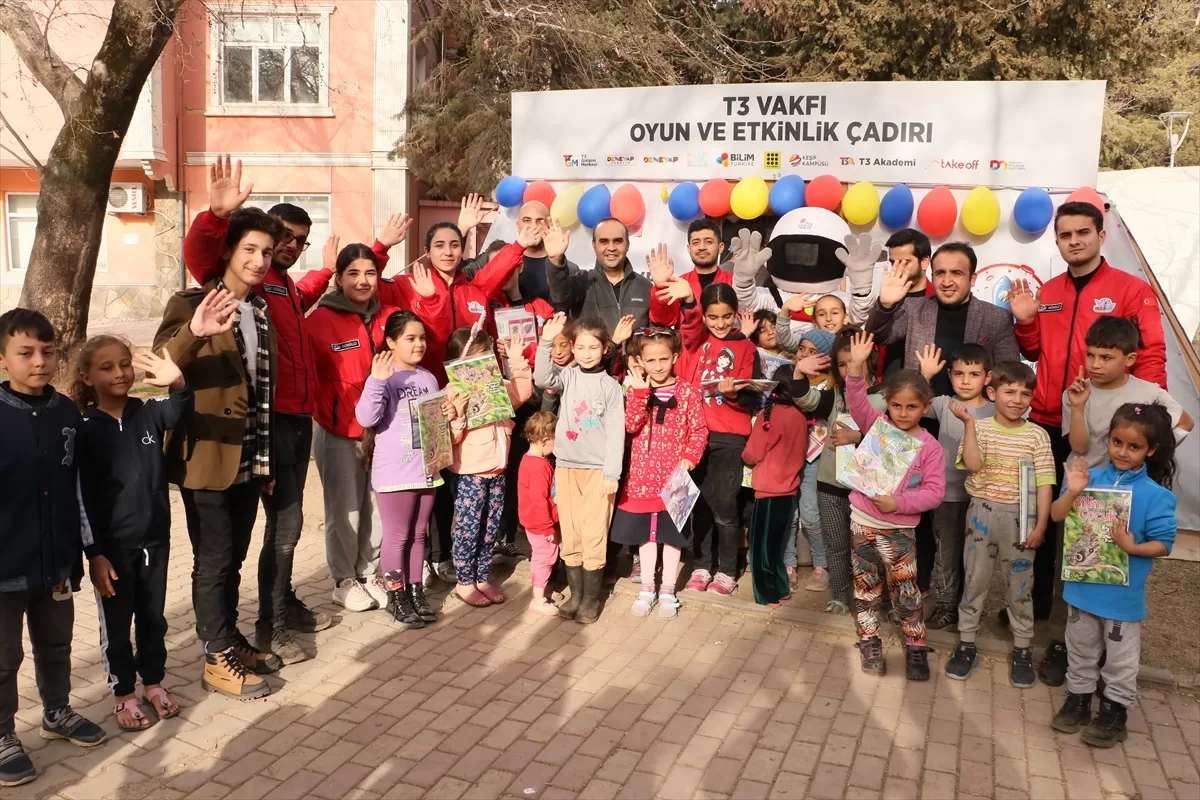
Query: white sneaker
point(350, 595)
point(428, 577)
point(445, 571)
point(377, 590)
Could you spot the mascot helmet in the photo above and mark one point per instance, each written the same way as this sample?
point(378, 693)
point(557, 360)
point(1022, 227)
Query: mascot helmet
point(804, 247)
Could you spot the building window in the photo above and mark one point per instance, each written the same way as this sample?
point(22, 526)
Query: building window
point(22, 218)
point(317, 206)
point(270, 64)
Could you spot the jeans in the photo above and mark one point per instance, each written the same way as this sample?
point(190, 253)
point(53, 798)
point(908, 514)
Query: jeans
point(950, 528)
point(810, 521)
point(219, 524)
point(285, 515)
point(50, 623)
point(718, 512)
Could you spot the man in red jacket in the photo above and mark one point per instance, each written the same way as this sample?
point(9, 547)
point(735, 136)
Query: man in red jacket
point(1051, 328)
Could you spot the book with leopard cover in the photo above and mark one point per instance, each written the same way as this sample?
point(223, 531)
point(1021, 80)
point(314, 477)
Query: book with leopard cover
point(1089, 553)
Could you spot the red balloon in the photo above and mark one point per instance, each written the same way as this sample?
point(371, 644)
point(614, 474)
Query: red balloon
point(627, 204)
point(1086, 194)
point(541, 191)
point(825, 191)
point(937, 212)
point(714, 197)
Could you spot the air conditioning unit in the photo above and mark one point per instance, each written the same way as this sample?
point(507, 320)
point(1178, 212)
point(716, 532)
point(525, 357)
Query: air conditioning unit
point(126, 198)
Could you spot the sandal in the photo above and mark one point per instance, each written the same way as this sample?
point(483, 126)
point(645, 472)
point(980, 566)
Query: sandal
point(491, 593)
point(474, 598)
point(837, 607)
point(133, 708)
point(161, 700)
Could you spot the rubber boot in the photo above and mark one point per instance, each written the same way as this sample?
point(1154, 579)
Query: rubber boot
point(593, 585)
point(568, 608)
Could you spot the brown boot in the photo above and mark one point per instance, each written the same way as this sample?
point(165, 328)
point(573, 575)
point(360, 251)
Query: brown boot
point(256, 660)
point(225, 673)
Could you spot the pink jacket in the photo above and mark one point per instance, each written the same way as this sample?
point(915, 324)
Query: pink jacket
point(924, 485)
point(484, 450)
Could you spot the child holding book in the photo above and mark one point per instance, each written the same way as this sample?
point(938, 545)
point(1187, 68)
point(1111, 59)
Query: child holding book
point(666, 419)
point(992, 451)
point(970, 371)
point(536, 509)
point(1104, 621)
point(589, 443)
point(124, 483)
point(884, 526)
point(480, 460)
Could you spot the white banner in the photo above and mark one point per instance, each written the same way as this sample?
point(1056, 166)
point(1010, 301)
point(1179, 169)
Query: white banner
point(1002, 133)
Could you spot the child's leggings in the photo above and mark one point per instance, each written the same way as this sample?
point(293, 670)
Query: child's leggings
point(584, 515)
point(897, 549)
point(810, 522)
point(835, 526)
point(648, 554)
point(141, 596)
point(477, 514)
point(543, 554)
point(769, 525)
point(718, 514)
point(405, 516)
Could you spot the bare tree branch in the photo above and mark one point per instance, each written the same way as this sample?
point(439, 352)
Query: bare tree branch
point(19, 23)
point(37, 165)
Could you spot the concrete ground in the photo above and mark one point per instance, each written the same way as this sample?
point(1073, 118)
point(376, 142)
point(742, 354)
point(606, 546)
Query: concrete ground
point(723, 702)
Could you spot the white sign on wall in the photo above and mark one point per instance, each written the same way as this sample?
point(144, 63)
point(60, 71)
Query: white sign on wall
point(1002, 133)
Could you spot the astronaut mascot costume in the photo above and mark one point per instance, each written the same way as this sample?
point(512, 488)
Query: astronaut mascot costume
point(811, 250)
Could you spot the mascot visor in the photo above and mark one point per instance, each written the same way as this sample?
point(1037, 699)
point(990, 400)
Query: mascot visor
point(804, 247)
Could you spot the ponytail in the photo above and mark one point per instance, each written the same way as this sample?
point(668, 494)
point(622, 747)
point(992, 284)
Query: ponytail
point(1154, 422)
point(782, 393)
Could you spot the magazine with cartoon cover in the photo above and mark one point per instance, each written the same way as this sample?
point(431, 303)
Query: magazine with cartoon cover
point(679, 495)
point(771, 362)
point(818, 434)
point(881, 460)
point(510, 319)
point(1089, 553)
point(755, 384)
point(431, 432)
point(844, 454)
point(480, 378)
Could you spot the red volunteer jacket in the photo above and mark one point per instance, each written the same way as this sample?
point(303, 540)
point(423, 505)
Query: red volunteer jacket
point(536, 509)
point(287, 303)
point(776, 451)
point(706, 358)
point(343, 346)
point(670, 316)
point(662, 437)
point(1055, 338)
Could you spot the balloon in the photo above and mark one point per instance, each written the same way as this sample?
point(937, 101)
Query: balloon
point(1033, 210)
point(593, 206)
point(824, 191)
point(714, 197)
point(896, 208)
point(980, 211)
point(511, 191)
point(1086, 194)
point(684, 202)
point(565, 209)
point(541, 191)
point(787, 194)
point(937, 212)
point(664, 194)
point(860, 206)
point(627, 204)
point(749, 198)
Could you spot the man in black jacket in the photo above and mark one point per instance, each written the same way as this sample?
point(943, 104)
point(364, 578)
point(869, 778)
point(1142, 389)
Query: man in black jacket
point(611, 289)
point(43, 526)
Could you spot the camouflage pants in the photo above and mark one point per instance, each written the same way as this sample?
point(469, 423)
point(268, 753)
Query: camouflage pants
point(886, 555)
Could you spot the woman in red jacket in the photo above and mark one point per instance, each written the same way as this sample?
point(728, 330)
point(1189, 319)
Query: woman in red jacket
point(346, 330)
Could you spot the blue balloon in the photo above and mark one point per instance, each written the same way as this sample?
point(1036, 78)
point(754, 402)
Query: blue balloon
point(593, 206)
point(1033, 210)
point(787, 194)
point(896, 207)
point(684, 202)
point(511, 191)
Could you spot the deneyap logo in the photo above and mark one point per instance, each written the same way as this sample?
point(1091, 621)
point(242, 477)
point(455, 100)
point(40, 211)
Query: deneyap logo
point(1104, 305)
point(271, 288)
point(660, 159)
point(620, 161)
point(341, 347)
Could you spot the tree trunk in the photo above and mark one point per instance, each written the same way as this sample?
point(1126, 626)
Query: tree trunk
point(74, 186)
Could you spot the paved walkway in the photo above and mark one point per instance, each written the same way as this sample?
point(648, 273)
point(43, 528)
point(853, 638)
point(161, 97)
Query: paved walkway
point(491, 703)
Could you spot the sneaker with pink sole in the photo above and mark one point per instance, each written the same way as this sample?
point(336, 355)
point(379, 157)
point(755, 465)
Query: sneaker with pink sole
point(723, 585)
point(699, 581)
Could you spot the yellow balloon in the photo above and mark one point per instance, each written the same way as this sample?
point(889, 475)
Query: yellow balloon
point(860, 205)
point(664, 194)
point(749, 198)
point(565, 208)
point(981, 211)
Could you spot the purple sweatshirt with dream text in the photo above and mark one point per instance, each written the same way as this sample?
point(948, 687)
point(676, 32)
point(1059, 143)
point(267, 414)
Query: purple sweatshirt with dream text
point(384, 405)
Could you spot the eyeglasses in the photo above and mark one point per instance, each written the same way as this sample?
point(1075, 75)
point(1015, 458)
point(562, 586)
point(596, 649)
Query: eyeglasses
point(302, 242)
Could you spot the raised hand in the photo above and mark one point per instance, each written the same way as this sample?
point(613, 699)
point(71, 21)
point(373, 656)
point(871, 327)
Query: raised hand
point(859, 257)
point(395, 230)
point(1023, 301)
point(225, 194)
point(894, 287)
point(676, 290)
point(637, 375)
point(660, 265)
point(961, 411)
point(470, 213)
point(554, 326)
point(861, 345)
point(798, 302)
point(159, 371)
point(1075, 474)
point(329, 253)
point(749, 256)
point(383, 367)
point(215, 314)
point(555, 240)
point(515, 345)
point(931, 361)
point(747, 323)
point(422, 279)
point(623, 330)
point(1079, 391)
point(812, 366)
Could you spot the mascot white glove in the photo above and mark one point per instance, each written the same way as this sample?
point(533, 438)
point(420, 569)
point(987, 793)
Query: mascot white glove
point(749, 259)
point(859, 259)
